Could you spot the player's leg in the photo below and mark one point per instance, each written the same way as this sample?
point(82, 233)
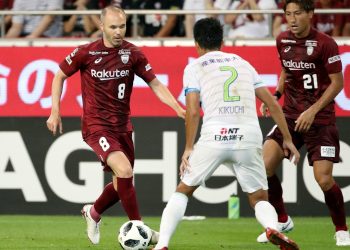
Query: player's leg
point(264, 212)
point(333, 198)
point(122, 168)
point(251, 175)
point(273, 156)
point(92, 213)
point(322, 158)
point(173, 213)
point(107, 199)
point(250, 172)
point(203, 162)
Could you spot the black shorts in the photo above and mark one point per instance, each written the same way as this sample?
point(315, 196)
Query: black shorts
point(321, 141)
point(105, 142)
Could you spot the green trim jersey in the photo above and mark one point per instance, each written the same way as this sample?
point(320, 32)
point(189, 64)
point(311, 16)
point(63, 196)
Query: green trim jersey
point(226, 84)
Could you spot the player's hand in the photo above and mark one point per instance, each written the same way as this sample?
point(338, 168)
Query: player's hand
point(304, 121)
point(185, 165)
point(54, 123)
point(181, 113)
point(264, 110)
point(291, 150)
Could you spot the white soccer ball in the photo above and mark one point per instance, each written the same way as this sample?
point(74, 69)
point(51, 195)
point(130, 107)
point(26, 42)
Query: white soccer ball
point(134, 235)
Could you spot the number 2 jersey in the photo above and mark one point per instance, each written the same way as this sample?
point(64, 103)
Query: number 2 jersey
point(107, 76)
point(226, 84)
point(308, 62)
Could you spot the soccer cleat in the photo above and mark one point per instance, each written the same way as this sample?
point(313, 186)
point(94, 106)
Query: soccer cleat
point(342, 238)
point(287, 226)
point(280, 240)
point(92, 227)
point(283, 227)
point(262, 238)
point(154, 238)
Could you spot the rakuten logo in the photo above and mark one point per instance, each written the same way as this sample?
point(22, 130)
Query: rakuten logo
point(108, 75)
point(298, 65)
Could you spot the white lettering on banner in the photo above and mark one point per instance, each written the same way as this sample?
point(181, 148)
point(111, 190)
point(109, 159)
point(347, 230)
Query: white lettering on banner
point(41, 68)
point(340, 170)
point(57, 178)
point(166, 166)
point(4, 71)
point(341, 99)
point(23, 176)
point(289, 181)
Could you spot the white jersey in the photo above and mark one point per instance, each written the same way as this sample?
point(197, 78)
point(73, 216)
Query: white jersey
point(226, 84)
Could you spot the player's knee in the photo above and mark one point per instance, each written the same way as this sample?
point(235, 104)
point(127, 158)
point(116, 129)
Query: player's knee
point(325, 182)
point(187, 190)
point(124, 172)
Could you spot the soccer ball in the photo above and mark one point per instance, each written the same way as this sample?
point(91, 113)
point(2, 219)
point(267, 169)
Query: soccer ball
point(134, 235)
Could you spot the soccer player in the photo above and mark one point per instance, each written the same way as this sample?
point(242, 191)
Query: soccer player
point(311, 78)
point(226, 85)
point(107, 67)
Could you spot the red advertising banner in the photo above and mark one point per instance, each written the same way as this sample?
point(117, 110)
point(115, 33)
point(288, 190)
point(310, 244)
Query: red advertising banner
point(26, 74)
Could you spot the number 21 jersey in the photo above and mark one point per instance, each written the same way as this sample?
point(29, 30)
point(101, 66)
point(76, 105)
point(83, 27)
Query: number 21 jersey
point(308, 62)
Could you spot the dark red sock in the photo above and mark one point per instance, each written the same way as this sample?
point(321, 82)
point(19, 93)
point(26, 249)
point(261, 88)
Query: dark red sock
point(275, 197)
point(127, 196)
point(335, 202)
point(108, 198)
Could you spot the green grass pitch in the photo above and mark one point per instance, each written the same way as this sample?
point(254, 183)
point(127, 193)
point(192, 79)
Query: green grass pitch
point(68, 232)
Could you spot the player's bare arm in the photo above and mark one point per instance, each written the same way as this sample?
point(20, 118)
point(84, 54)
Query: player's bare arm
point(279, 91)
point(305, 120)
point(191, 125)
point(163, 93)
point(277, 115)
point(54, 122)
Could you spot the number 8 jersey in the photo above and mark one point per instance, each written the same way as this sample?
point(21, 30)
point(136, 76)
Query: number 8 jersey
point(107, 76)
point(308, 62)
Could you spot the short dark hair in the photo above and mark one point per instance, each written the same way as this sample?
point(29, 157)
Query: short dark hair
point(208, 33)
point(307, 5)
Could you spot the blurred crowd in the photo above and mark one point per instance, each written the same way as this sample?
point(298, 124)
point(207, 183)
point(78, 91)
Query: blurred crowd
point(160, 25)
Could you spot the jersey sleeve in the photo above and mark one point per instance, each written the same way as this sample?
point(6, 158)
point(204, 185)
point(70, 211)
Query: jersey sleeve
point(278, 46)
point(73, 62)
point(142, 67)
point(257, 81)
point(330, 57)
point(190, 81)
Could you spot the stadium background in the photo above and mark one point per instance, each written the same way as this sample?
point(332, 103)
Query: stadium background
point(42, 174)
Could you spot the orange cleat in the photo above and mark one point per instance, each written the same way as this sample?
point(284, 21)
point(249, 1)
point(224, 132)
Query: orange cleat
point(280, 240)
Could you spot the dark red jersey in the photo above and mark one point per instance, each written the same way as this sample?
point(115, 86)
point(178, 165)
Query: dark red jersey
point(308, 62)
point(107, 76)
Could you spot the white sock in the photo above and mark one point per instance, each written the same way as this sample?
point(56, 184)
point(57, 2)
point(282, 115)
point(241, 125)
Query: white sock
point(266, 214)
point(172, 215)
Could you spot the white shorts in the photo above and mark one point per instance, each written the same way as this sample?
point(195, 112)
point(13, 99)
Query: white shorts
point(246, 164)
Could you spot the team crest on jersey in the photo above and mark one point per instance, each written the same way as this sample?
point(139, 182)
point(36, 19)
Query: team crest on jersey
point(309, 50)
point(310, 44)
point(125, 58)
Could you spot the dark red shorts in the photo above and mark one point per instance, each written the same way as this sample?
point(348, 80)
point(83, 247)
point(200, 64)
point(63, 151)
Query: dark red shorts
point(105, 142)
point(321, 141)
